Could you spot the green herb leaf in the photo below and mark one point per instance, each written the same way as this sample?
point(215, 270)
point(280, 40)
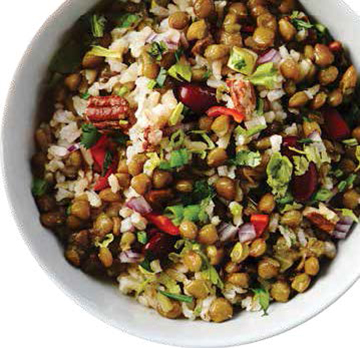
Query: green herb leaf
point(181, 298)
point(98, 25)
point(39, 187)
point(207, 74)
point(146, 265)
point(107, 162)
point(85, 96)
point(127, 20)
point(265, 75)
point(212, 275)
point(263, 297)
point(287, 199)
point(279, 172)
point(178, 158)
point(181, 72)
point(157, 49)
point(142, 237)
point(247, 158)
point(120, 138)
point(178, 53)
point(89, 136)
point(305, 141)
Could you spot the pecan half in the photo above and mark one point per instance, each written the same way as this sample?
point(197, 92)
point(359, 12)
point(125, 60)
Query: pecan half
point(243, 95)
point(105, 113)
point(322, 223)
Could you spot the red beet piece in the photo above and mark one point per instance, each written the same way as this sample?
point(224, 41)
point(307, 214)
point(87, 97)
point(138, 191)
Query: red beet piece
point(290, 141)
point(160, 245)
point(335, 126)
point(304, 186)
point(198, 98)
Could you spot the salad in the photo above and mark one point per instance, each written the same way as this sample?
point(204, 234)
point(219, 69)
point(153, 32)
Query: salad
point(201, 155)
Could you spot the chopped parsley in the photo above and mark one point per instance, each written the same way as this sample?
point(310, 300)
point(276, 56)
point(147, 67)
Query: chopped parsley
point(263, 297)
point(179, 213)
point(90, 135)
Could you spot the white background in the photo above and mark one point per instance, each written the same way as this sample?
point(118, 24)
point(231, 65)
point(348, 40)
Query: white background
point(34, 312)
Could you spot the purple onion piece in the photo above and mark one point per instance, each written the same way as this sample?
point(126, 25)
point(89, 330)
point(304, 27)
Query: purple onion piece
point(140, 205)
point(247, 233)
point(74, 147)
point(227, 232)
point(271, 56)
point(339, 235)
point(130, 256)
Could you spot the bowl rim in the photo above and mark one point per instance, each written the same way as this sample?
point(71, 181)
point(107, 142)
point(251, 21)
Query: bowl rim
point(66, 289)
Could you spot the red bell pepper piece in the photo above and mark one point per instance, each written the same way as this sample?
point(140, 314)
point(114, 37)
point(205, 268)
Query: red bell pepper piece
point(102, 182)
point(260, 222)
point(163, 223)
point(98, 151)
point(217, 111)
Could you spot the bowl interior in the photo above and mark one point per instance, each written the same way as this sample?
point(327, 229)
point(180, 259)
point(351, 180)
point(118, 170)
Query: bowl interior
point(105, 301)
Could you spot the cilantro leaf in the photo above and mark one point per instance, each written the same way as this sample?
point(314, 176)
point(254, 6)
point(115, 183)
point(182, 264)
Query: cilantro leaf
point(107, 162)
point(98, 25)
point(39, 187)
point(120, 138)
point(263, 297)
point(89, 136)
point(247, 158)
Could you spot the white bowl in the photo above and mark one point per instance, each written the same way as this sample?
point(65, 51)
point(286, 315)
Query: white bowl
point(105, 302)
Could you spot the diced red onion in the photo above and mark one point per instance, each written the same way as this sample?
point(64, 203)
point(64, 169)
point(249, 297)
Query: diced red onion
point(140, 205)
point(271, 56)
point(343, 227)
point(247, 233)
point(227, 232)
point(130, 256)
point(74, 147)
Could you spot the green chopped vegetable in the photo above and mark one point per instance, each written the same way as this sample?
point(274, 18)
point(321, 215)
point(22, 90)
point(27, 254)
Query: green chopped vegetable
point(177, 139)
point(247, 158)
point(289, 207)
point(90, 135)
point(242, 60)
point(142, 237)
point(127, 20)
point(176, 116)
point(260, 110)
point(347, 183)
point(160, 80)
point(85, 96)
point(108, 160)
point(263, 297)
point(109, 238)
point(301, 165)
point(349, 213)
point(181, 298)
point(152, 84)
point(316, 155)
point(39, 187)
point(305, 141)
point(350, 142)
point(250, 132)
point(100, 51)
point(157, 49)
point(207, 139)
point(178, 158)
point(338, 172)
point(323, 195)
point(146, 265)
point(179, 213)
point(120, 138)
point(123, 91)
point(279, 172)
point(181, 72)
point(287, 199)
point(265, 75)
point(357, 154)
point(178, 53)
point(207, 74)
point(212, 275)
point(98, 25)
point(153, 162)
